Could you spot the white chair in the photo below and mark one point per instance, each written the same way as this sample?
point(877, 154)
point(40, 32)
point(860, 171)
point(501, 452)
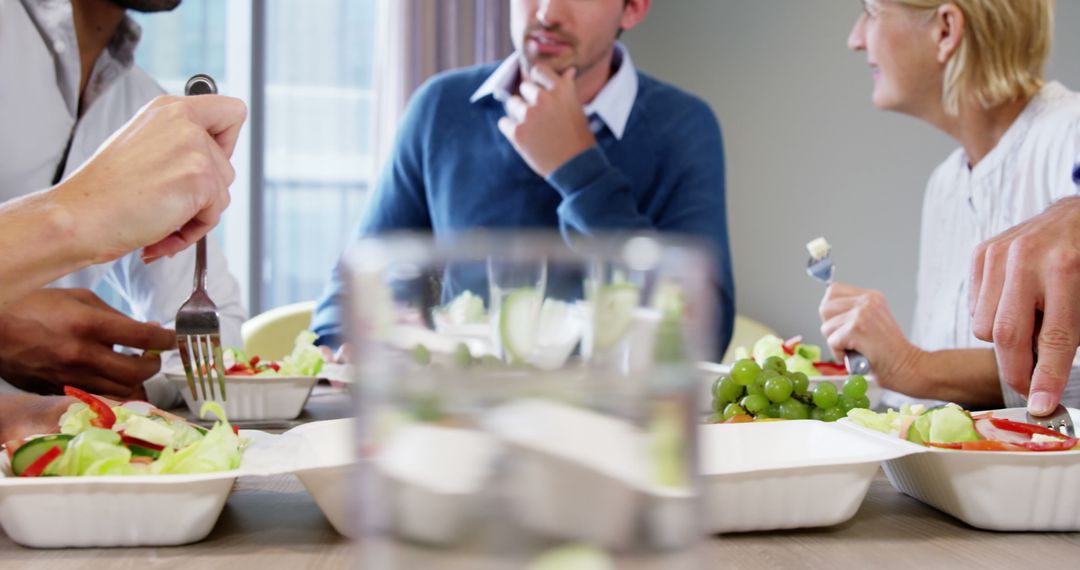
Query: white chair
point(272, 334)
point(747, 332)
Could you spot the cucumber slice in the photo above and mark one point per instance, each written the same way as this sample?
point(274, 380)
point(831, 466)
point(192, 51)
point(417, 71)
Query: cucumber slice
point(35, 448)
point(140, 451)
point(613, 313)
point(518, 320)
point(558, 332)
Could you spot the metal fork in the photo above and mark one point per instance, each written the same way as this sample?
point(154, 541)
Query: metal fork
point(1059, 420)
point(821, 267)
point(198, 328)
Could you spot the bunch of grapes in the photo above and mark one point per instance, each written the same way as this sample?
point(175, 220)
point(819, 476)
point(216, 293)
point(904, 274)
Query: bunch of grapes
point(771, 391)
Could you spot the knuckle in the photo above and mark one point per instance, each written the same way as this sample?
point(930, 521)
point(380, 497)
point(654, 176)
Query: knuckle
point(1057, 339)
point(1006, 333)
point(69, 353)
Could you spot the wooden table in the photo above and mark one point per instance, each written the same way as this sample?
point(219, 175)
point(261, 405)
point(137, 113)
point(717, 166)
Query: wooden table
point(273, 523)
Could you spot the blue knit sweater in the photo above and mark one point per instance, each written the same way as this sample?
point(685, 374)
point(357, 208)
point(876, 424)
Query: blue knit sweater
point(452, 170)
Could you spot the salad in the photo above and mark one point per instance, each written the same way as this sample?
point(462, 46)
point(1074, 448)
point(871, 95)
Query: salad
point(952, 427)
point(129, 439)
point(305, 360)
point(797, 356)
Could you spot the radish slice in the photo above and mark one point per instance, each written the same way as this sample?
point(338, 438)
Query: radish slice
point(139, 407)
point(986, 428)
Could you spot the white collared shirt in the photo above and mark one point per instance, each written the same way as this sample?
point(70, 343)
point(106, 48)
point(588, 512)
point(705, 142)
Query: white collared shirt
point(1029, 169)
point(39, 64)
point(612, 105)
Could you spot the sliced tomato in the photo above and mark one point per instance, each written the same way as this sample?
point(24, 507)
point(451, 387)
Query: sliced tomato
point(275, 366)
point(254, 361)
point(831, 368)
point(105, 416)
point(991, 445)
point(36, 468)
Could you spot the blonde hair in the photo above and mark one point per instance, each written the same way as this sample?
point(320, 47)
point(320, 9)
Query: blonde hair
point(1002, 53)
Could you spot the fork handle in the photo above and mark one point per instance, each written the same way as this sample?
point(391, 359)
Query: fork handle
point(200, 264)
point(856, 363)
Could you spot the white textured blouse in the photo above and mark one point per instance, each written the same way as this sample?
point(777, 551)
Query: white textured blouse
point(1033, 165)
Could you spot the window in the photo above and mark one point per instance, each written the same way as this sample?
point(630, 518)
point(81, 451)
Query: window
point(314, 81)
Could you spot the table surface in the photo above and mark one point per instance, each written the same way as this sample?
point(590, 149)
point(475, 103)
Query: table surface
point(272, 522)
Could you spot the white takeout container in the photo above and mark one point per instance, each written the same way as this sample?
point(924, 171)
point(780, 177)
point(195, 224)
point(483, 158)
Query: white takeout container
point(993, 490)
point(431, 478)
point(252, 397)
point(708, 372)
point(145, 510)
point(575, 474)
point(330, 470)
point(786, 474)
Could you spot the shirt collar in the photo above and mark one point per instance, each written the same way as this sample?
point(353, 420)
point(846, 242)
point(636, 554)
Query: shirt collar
point(55, 22)
point(612, 104)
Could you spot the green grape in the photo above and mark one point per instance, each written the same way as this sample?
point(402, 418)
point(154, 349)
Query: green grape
point(825, 395)
point(862, 402)
point(847, 404)
point(421, 355)
point(715, 418)
point(754, 403)
point(792, 409)
point(726, 389)
point(462, 355)
point(817, 414)
point(731, 410)
point(832, 414)
point(855, 386)
point(773, 411)
point(765, 374)
point(800, 382)
point(775, 363)
point(718, 405)
point(756, 388)
point(745, 371)
point(778, 389)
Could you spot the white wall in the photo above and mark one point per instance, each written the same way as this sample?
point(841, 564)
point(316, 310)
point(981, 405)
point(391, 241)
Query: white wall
point(807, 153)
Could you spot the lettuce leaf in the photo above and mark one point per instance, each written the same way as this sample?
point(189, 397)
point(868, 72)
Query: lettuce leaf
point(95, 451)
point(306, 359)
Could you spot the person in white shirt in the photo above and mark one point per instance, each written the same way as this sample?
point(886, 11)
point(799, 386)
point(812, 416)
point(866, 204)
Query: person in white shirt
point(972, 68)
point(69, 82)
point(98, 214)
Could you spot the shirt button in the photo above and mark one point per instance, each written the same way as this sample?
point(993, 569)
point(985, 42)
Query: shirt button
point(59, 47)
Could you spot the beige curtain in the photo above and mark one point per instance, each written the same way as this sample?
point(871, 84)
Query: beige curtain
point(416, 39)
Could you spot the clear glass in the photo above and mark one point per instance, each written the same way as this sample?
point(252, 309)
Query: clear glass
point(581, 444)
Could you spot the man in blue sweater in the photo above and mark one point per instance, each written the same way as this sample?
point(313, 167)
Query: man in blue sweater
point(565, 134)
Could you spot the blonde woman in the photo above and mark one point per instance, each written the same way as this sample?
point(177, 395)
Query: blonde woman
point(972, 68)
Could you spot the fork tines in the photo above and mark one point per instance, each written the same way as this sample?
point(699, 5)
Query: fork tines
point(201, 355)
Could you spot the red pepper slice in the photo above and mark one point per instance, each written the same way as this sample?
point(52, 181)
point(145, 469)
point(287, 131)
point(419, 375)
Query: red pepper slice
point(944, 445)
point(236, 430)
point(105, 416)
point(275, 366)
point(128, 440)
point(254, 361)
point(831, 368)
point(1029, 429)
point(791, 344)
point(36, 468)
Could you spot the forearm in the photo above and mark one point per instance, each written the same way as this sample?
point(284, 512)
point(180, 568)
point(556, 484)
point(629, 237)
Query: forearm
point(596, 196)
point(966, 376)
point(40, 241)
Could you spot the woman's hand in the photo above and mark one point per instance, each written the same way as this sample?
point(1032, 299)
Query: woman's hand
point(859, 319)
